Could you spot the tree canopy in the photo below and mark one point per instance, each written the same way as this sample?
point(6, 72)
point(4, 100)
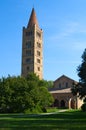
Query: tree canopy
point(80, 88)
point(18, 94)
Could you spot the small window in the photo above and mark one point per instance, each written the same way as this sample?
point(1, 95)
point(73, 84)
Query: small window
point(28, 60)
point(28, 52)
point(38, 45)
point(29, 33)
point(28, 44)
point(28, 68)
point(38, 34)
point(66, 84)
point(38, 60)
point(38, 68)
point(38, 53)
point(59, 85)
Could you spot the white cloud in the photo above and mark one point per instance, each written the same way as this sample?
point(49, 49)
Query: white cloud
point(71, 37)
point(68, 30)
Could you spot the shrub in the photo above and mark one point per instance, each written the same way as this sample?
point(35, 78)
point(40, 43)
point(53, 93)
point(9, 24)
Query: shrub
point(35, 110)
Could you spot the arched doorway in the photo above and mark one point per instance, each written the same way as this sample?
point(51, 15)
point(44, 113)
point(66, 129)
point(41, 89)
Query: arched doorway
point(73, 104)
point(56, 103)
point(62, 103)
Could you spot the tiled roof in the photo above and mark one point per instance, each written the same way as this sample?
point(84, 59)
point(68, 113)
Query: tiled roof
point(33, 19)
point(64, 76)
point(67, 90)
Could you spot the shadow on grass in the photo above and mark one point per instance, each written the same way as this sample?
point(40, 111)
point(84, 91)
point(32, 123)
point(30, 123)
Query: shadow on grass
point(60, 121)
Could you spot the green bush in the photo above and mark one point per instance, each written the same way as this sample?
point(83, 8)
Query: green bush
point(35, 110)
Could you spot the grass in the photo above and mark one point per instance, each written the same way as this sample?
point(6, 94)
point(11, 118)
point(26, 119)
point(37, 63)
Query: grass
point(49, 110)
point(70, 120)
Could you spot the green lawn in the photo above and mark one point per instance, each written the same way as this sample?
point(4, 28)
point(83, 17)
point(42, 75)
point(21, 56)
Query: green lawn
point(73, 120)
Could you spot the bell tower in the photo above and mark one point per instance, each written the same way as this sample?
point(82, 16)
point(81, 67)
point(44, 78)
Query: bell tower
point(32, 48)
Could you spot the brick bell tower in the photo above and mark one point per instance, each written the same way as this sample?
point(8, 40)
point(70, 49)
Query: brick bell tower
point(32, 48)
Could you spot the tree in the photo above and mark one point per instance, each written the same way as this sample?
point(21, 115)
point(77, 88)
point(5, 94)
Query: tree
point(18, 94)
point(39, 94)
point(45, 98)
point(14, 96)
point(50, 84)
point(80, 88)
point(32, 77)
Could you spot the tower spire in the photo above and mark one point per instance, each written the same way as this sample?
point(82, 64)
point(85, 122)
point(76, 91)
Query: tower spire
point(33, 19)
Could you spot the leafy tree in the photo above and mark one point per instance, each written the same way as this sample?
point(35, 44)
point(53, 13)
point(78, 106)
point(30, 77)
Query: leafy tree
point(47, 84)
point(17, 94)
point(39, 94)
point(4, 95)
point(80, 88)
point(13, 95)
point(45, 98)
point(50, 84)
point(32, 77)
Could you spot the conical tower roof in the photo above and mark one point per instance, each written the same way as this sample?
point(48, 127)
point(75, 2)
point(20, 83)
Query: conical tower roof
point(33, 19)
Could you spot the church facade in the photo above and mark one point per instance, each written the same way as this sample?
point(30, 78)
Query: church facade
point(63, 97)
point(32, 48)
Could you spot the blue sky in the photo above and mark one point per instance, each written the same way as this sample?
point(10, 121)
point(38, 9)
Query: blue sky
point(64, 26)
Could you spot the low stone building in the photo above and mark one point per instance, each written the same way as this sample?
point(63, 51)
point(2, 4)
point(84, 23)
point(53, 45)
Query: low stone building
point(63, 95)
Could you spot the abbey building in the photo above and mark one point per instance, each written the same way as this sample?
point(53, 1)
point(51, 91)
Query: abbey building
point(32, 61)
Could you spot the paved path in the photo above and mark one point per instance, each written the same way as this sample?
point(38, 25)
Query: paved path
point(64, 110)
point(35, 115)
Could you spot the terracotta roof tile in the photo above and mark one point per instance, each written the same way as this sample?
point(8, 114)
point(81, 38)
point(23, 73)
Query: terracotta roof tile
point(33, 19)
point(67, 90)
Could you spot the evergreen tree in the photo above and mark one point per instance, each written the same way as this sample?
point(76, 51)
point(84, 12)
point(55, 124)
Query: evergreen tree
point(80, 88)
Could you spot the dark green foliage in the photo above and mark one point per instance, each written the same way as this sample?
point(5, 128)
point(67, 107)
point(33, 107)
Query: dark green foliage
point(32, 77)
point(14, 95)
point(83, 107)
point(18, 94)
point(80, 88)
point(47, 84)
point(50, 84)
